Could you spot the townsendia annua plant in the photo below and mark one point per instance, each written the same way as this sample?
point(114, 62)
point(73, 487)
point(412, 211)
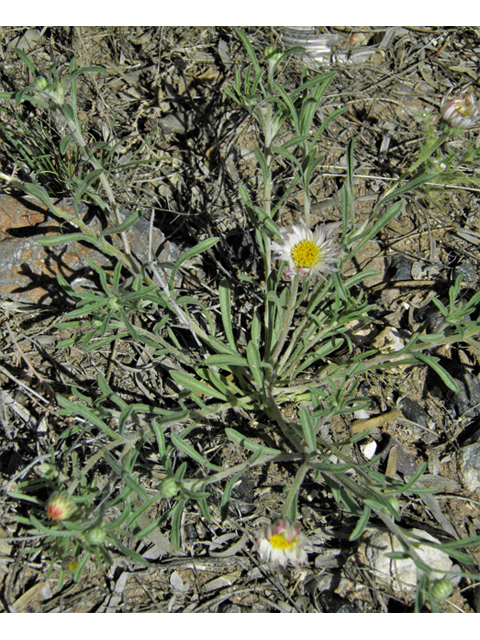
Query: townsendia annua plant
point(306, 311)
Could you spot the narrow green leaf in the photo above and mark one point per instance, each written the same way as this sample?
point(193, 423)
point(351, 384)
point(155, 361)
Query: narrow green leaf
point(221, 347)
point(292, 142)
point(225, 503)
point(246, 43)
point(226, 311)
point(57, 533)
point(225, 360)
point(192, 252)
point(289, 104)
point(187, 448)
point(245, 442)
point(126, 224)
point(361, 524)
point(26, 60)
point(397, 555)
point(411, 185)
point(64, 142)
point(326, 122)
point(128, 325)
point(324, 79)
point(192, 384)
point(84, 185)
point(37, 192)
point(127, 552)
point(292, 511)
point(308, 429)
point(437, 367)
point(416, 476)
point(176, 522)
point(94, 69)
point(255, 364)
point(261, 161)
point(374, 229)
point(80, 409)
point(63, 238)
point(127, 478)
point(98, 344)
point(256, 328)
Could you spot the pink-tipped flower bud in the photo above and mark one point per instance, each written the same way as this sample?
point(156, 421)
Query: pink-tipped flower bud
point(60, 506)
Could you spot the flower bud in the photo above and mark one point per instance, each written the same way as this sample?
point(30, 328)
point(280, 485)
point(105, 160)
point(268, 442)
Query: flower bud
point(273, 55)
point(272, 52)
point(96, 536)
point(57, 93)
point(72, 565)
point(60, 506)
point(41, 83)
point(47, 470)
point(169, 488)
point(442, 589)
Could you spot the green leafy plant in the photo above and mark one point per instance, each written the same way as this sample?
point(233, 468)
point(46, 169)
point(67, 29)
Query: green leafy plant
point(289, 355)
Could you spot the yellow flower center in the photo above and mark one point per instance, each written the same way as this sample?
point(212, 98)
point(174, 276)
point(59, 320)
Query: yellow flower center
point(305, 254)
point(279, 542)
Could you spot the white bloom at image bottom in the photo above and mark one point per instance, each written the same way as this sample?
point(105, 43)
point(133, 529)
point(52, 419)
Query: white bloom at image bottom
point(281, 543)
point(308, 252)
point(460, 111)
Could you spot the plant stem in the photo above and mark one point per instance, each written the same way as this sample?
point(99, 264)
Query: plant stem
point(287, 320)
point(294, 491)
point(79, 139)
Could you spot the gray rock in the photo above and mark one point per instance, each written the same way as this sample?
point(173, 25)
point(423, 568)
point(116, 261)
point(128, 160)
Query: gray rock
point(28, 271)
point(400, 268)
point(414, 412)
point(467, 270)
point(402, 574)
point(468, 462)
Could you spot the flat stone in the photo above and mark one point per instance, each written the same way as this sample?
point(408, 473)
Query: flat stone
point(28, 271)
point(402, 574)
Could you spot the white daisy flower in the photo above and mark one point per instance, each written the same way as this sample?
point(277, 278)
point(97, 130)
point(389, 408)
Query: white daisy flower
point(307, 252)
point(281, 543)
point(460, 111)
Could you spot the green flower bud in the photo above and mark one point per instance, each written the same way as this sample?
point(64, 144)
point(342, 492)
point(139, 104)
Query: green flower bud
point(72, 565)
point(41, 83)
point(442, 589)
point(169, 488)
point(57, 94)
point(96, 536)
point(273, 53)
point(47, 470)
